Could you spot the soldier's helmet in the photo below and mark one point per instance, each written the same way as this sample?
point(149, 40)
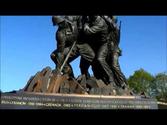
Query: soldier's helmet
point(57, 19)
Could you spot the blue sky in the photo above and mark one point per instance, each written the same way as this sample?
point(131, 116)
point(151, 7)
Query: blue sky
point(27, 41)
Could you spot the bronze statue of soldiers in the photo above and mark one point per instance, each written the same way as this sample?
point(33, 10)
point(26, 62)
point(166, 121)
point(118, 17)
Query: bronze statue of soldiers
point(68, 33)
point(97, 43)
point(97, 30)
point(115, 51)
point(65, 36)
point(83, 49)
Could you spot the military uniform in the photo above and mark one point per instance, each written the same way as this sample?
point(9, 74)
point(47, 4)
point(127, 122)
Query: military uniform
point(65, 36)
point(115, 52)
point(83, 48)
point(97, 30)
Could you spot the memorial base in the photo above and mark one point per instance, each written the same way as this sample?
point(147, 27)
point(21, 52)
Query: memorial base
point(26, 100)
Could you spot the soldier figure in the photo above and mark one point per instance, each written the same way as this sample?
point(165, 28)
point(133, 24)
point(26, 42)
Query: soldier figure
point(97, 30)
point(97, 43)
point(65, 36)
point(115, 51)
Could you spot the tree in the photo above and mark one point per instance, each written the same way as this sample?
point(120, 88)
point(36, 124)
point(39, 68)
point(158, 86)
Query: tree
point(153, 86)
point(140, 81)
point(159, 87)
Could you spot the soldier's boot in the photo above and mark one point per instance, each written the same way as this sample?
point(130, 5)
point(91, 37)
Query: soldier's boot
point(114, 86)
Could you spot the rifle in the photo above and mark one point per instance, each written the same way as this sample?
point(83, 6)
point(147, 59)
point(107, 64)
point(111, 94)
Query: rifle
point(68, 55)
point(57, 77)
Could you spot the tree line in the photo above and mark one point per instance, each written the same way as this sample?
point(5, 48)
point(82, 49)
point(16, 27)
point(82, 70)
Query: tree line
point(154, 86)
